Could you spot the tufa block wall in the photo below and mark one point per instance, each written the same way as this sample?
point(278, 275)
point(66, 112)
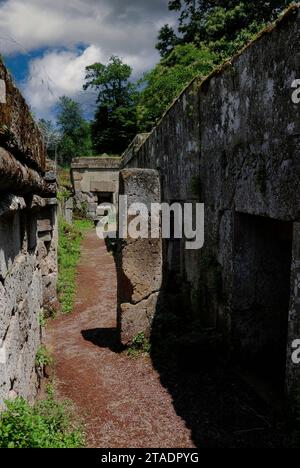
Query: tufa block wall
point(232, 142)
point(28, 243)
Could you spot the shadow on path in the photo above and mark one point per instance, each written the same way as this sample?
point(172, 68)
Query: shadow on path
point(104, 338)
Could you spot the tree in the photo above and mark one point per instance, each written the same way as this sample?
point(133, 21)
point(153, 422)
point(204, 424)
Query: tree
point(114, 125)
point(74, 129)
point(224, 25)
point(167, 40)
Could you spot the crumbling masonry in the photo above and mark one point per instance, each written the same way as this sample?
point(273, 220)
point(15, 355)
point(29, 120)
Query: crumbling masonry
point(28, 243)
point(231, 142)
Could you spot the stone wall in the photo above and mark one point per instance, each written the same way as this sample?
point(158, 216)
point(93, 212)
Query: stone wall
point(95, 180)
point(232, 142)
point(28, 243)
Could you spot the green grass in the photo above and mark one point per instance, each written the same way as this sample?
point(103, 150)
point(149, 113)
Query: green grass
point(83, 225)
point(70, 237)
point(47, 424)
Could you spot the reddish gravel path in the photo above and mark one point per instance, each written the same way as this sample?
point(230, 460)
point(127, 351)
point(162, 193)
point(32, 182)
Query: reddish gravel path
point(120, 398)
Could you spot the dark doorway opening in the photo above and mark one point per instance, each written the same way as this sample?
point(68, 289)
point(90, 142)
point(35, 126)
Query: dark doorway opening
point(105, 197)
point(261, 296)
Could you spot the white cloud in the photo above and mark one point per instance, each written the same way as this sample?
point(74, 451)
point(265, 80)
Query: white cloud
point(114, 25)
point(58, 73)
point(127, 28)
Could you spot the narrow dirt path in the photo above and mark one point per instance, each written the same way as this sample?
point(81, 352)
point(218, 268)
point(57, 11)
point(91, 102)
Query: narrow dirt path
point(120, 398)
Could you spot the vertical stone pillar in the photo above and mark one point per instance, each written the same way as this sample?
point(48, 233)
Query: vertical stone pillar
point(68, 210)
point(293, 370)
point(139, 260)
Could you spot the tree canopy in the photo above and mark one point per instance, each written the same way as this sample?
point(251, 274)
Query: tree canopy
point(224, 25)
point(74, 129)
point(207, 32)
point(114, 125)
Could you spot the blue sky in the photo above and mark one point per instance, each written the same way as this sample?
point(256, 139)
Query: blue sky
point(48, 43)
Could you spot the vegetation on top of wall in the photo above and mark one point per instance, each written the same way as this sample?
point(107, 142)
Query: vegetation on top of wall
point(164, 83)
point(224, 25)
point(47, 424)
point(70, 237)
point(209, 33)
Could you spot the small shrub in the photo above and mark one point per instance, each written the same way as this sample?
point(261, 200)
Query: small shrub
point(43, 358)
point(50, 312)
point(47, 424)
point(63, 194)
point(42, 319)
point(140, 345)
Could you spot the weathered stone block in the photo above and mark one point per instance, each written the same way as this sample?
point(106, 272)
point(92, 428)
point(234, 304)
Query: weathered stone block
point(137, 318)
point(6, 310)
point(10, 242)
point(16, 119)
point(44, 225)
point(140, 260)
point(22, 264)
point(142, 264)
point(2, 92)
point(45, 236)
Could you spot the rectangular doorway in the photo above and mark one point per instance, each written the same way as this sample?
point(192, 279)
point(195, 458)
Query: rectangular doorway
point(261, 297)
point(105, 197)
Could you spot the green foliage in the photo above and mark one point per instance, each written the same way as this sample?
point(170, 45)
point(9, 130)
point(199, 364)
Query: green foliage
point(83, 225)
point(63, 194)
point(223, 24)
point(168, 78)
point(167, 40)
point(43, 357)
point(47, 424)
point(42, 319)
point(111, 81)
point(208, 32)
point(140, 345)
point(114, 125)
point(70, 237)
point(75, 131)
